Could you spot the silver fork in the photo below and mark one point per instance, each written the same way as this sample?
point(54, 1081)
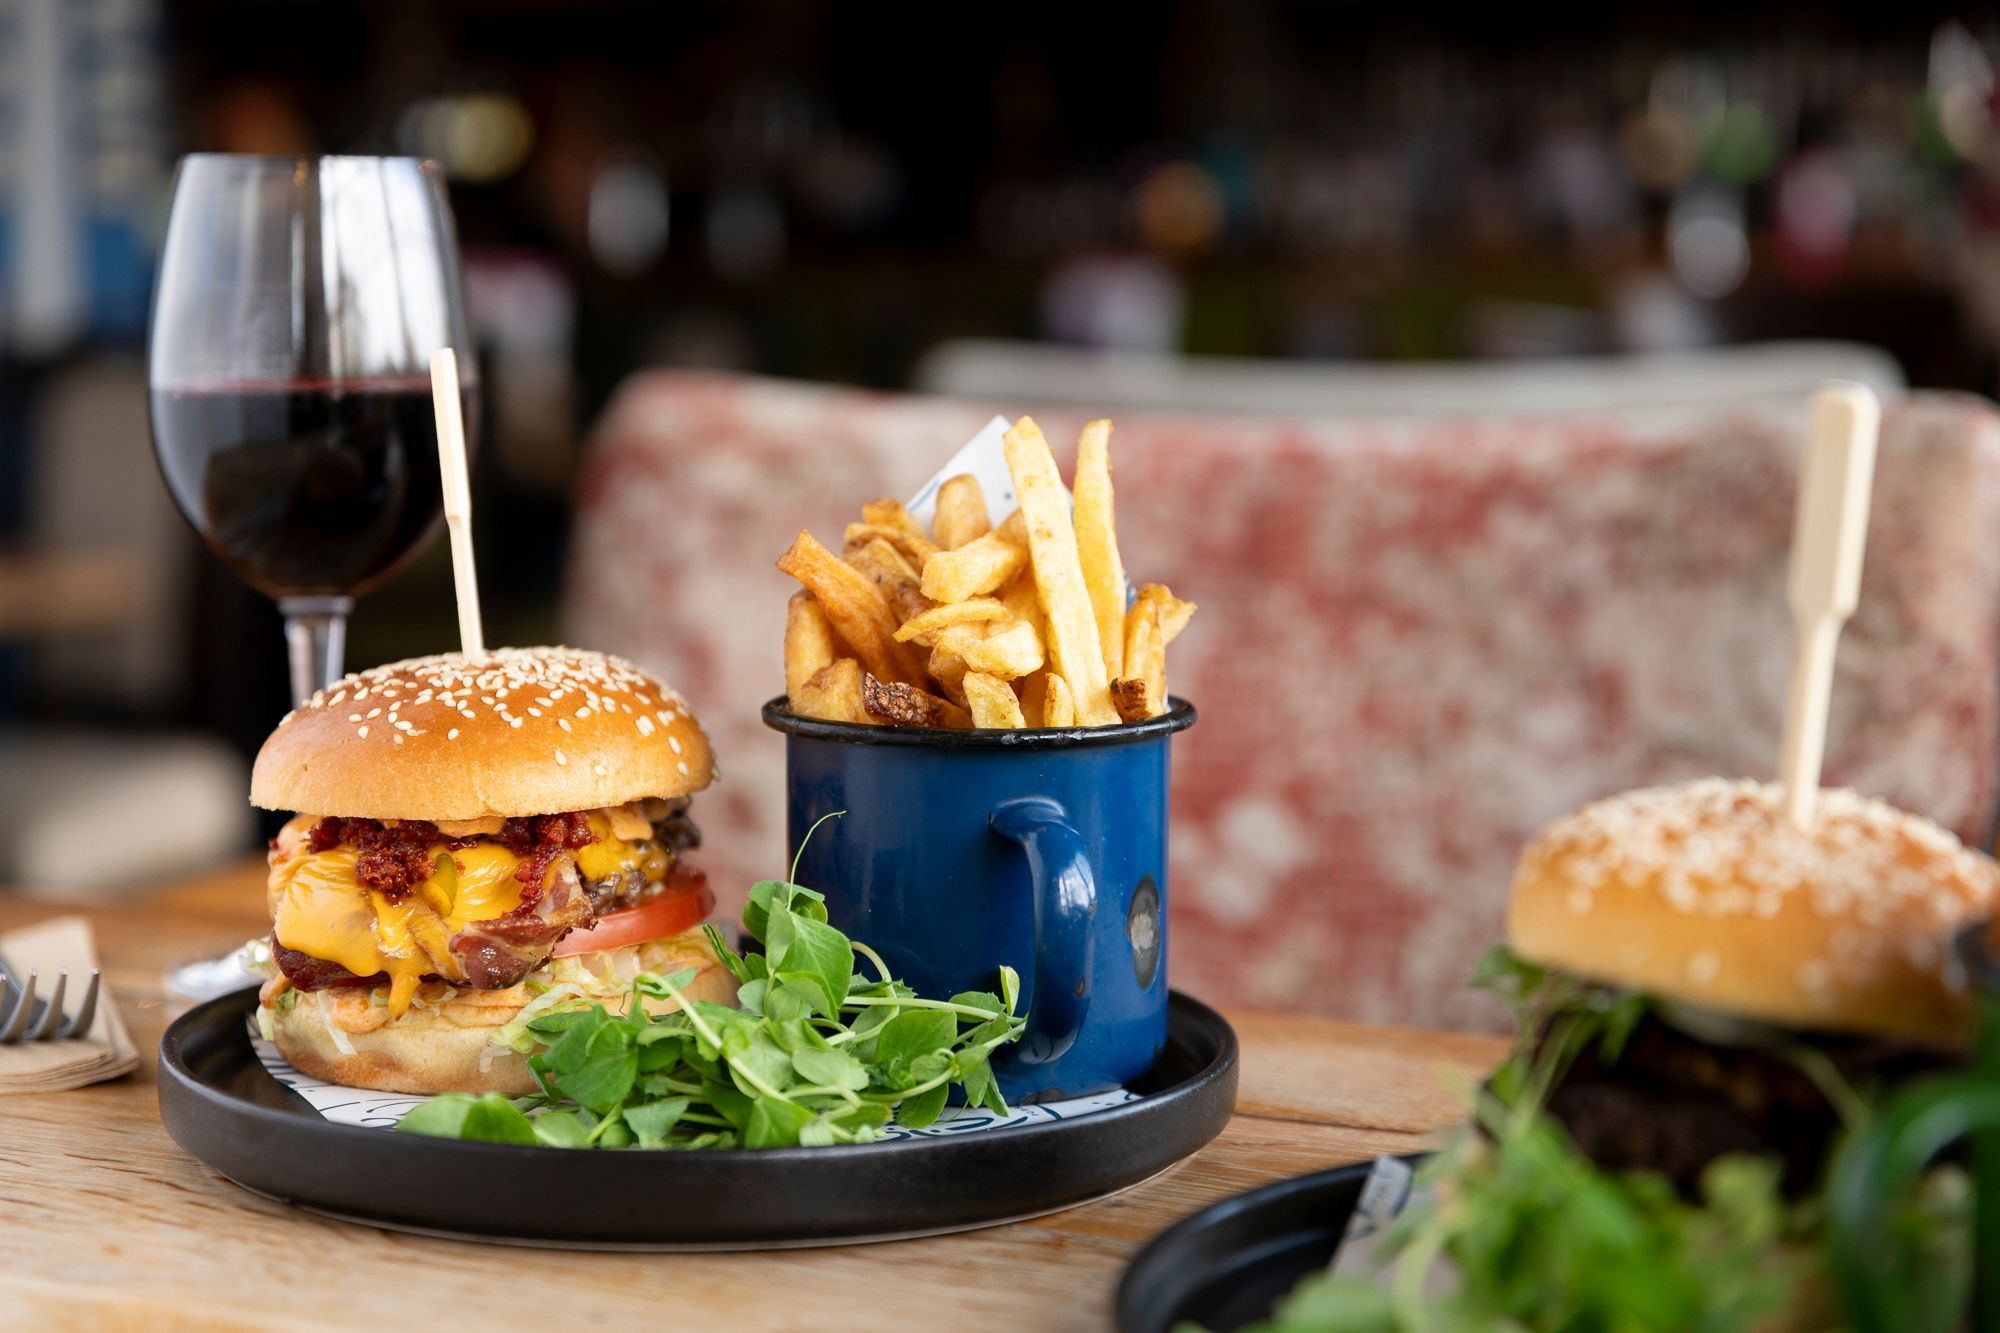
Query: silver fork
point(25, 1018)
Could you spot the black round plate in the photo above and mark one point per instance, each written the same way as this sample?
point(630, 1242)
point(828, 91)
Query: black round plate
point(220, 1105)
point(1227, 1265)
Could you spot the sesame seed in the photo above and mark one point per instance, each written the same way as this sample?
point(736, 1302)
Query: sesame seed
point(396, 736)
point(675, 743)
point(362, 732)
point(583, 712)
point(683, 767)
point(563, 722)
point(514, 722)
point(404, 725)
point(374, 712)
point(645, 726)
point(354, 717)
point(451, 735)
point(561, 758)
point(534, 712)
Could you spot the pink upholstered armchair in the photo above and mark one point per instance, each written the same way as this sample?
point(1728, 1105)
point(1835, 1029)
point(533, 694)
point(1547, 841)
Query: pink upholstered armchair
point(1418, 641)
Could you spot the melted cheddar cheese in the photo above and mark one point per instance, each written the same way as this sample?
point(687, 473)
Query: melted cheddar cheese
point(323, 911)
point(624, 839)
point(320, 909)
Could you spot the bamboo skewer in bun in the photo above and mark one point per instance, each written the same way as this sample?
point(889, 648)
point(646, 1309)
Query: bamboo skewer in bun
point(1774, 902)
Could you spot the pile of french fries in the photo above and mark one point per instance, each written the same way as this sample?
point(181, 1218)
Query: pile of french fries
point(1028, 624)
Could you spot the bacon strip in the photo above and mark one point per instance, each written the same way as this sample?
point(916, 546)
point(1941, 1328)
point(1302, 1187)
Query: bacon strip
point(495, 954)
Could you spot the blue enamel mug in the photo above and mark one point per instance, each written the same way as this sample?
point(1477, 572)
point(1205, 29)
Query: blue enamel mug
point(1043, 850)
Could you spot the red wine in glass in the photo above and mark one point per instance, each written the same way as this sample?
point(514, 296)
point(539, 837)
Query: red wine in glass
point(298, 305)
point(308, 486)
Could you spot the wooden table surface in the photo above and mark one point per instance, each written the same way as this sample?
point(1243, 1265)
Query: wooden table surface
point(104, 1222)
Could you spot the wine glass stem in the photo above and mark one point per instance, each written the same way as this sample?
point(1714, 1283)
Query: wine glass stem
point(316, 633)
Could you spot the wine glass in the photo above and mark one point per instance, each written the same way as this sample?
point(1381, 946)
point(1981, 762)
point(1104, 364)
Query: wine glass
point(298, 304)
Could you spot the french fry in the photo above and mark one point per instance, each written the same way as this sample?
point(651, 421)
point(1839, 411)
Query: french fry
point(1014, 528)
point(925, 625)
point(893, 574)
point(1058, 705)
point(991, 701)
point(1129, 698)
point(961, 512)
point(1146, 654)
point(1009, 649)
point(895, 704)
point(948, 670)
point(834, 693)
point(915, 545)
point(879, 559)
point(1033, 692)
point(1097, 543)
point(855, 608)
point(1073, 644)
point(1023, 600)
point(981, 566)
point(1174, 613)
point(808, 641)
point(891, 514)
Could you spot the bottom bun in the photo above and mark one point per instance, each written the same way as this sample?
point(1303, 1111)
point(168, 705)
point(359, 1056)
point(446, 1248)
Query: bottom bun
point(343, 1037)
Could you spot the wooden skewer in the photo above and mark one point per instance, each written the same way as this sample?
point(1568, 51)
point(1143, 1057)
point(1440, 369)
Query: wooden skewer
point(1829, 534)
point(457, 497)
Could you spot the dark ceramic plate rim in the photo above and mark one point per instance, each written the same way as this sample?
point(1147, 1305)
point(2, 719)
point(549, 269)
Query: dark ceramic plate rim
point(170, 1052)
point(192, 1097)
point(1139, 1286)
point(1180, 715)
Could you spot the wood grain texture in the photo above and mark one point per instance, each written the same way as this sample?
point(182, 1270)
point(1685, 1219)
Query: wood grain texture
point(104, 1223)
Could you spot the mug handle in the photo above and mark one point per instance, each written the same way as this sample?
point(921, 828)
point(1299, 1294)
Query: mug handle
point(1879, 1167)
point(1065, 904)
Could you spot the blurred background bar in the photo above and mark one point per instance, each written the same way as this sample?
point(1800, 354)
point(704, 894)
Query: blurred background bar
point(1198, 205)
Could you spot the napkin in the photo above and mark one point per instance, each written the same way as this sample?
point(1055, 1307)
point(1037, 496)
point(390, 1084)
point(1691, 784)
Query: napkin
point(106, 1051)
point(985, 457)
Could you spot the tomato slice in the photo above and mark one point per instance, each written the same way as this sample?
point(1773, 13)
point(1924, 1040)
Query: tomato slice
point(680, 906)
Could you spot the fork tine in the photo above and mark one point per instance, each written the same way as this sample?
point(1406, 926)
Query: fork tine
point(51, 1016)
point(86, 1013)
point(17, 1021)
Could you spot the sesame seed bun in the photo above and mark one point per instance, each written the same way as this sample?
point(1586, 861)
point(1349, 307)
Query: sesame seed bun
point(518, 731)
point(444, 1046)
point(1704, 893)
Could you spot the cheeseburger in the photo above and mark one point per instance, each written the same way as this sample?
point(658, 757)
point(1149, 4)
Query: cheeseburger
point(1781, 976)
point(1709, 1000)
point(472, 833)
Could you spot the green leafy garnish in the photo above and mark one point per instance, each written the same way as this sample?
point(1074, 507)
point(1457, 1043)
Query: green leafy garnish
point(1536, 1237)
point(812, 1054)
point(1522, 1232)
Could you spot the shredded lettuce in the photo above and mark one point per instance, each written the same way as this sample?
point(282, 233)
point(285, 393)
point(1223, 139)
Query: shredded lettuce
point(340, 1041)
point(255, 958)
point(515, 1035)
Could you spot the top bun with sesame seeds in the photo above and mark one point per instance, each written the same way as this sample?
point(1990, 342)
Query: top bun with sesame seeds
point(1704, 893)
point(513, 732)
